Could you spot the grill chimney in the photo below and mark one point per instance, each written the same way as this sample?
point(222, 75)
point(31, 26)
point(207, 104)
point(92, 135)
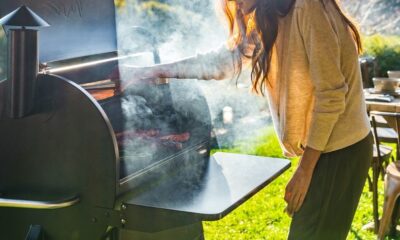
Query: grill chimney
point(21, 27)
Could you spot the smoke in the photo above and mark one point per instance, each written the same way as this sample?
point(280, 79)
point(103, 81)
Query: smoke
point(179, 29)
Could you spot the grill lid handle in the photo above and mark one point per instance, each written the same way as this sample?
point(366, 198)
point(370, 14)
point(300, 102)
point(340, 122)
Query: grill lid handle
point(29, 204)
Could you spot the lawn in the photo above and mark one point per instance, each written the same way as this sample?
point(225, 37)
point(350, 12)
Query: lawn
point(262, 216)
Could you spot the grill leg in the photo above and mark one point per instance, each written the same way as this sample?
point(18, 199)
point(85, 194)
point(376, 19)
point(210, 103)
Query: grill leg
point(35, 233)
point(111, 234)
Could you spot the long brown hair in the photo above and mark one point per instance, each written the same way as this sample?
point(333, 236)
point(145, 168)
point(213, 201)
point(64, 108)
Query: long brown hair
point(261, 28)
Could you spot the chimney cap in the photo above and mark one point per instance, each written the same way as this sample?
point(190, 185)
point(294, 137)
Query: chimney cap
point(23, 17)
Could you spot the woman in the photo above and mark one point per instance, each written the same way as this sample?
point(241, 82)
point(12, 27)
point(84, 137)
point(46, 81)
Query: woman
point(304, 57)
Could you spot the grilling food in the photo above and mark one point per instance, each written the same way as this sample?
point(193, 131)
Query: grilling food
point(153, 136)
point(184, 137)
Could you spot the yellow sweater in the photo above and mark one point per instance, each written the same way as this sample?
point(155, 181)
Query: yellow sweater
point(315, 97)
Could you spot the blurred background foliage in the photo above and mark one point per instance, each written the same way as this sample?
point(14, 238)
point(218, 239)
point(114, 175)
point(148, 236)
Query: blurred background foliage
point(385, 50)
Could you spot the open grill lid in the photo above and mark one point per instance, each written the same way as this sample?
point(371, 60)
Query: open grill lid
point(78, 27)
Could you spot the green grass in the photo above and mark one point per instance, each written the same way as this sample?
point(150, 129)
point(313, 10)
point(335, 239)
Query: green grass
point(262, 216)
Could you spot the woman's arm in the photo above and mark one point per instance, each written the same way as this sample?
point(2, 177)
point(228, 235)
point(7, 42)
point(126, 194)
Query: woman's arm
point(218, 64)
point(321, 44)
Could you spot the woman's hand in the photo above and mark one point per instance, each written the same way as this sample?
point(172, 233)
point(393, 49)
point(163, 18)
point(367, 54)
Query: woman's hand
point(297, 188)
point(127, 75)
point(132, 75)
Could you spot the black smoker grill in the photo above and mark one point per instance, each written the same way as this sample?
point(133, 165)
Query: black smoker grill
point(80, 160)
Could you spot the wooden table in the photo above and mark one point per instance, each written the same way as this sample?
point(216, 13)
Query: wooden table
point(393, 107)
point(388, 107)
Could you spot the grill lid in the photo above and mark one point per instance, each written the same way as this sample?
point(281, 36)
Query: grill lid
point(78, 27)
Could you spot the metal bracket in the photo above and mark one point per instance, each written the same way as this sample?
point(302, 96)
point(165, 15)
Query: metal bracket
point(140, 218)
point(111, 217)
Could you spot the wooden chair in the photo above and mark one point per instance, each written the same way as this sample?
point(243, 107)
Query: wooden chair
point(381, 157)
point(392, 192)
point(388, 127)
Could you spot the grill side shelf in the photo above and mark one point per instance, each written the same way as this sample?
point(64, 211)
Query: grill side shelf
point(230, 180)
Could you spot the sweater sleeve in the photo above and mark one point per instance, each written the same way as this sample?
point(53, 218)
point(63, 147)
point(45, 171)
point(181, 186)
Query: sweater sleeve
point(216, 64)
point(323, 51)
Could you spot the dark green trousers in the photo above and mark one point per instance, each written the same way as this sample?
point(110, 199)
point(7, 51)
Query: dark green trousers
point(334, 193)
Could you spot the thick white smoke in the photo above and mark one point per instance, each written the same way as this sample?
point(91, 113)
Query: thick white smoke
point(192, 27)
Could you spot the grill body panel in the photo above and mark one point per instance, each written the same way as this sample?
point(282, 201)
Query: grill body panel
point(55, 153)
